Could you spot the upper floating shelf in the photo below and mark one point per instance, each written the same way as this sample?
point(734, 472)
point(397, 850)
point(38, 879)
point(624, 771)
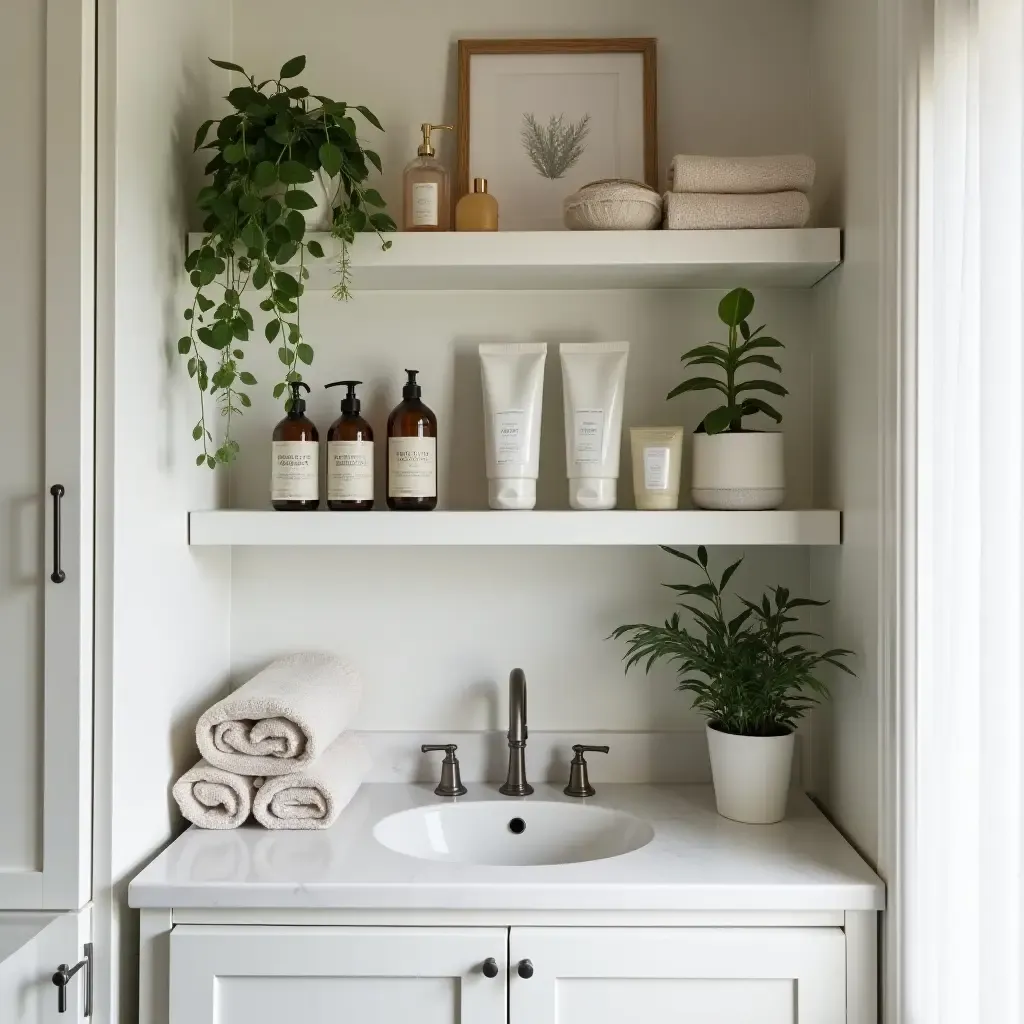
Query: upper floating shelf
point(562, 260)
point(624, 528)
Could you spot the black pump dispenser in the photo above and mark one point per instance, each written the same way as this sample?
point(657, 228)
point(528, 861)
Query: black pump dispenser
point(350, 405)
point(411, 390)
point(297, 406)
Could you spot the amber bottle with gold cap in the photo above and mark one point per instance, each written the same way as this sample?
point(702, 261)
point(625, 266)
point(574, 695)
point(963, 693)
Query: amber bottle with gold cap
point(427, 193)
point(477, 210)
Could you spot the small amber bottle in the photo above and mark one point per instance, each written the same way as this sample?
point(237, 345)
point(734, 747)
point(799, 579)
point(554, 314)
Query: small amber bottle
point(477, 210)
point(412, 452)
point(349, 456)
point(295, 471)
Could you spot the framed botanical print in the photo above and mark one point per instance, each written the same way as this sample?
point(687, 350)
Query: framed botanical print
point(540, 118)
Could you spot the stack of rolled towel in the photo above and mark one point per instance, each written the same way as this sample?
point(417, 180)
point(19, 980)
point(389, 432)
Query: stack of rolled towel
point(723, 192)
point(277, 748)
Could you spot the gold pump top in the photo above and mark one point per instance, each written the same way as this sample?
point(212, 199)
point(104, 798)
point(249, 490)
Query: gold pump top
point(480, 185)
point(425, 147)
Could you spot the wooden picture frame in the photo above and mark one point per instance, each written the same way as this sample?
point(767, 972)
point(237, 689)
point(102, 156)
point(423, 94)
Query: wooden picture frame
point(470, 48)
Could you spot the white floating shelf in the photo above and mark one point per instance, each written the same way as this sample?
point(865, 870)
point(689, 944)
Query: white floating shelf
point(504, 529)
point(765, 258)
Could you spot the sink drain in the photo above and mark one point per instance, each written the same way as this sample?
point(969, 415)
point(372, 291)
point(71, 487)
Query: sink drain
point(517, 826)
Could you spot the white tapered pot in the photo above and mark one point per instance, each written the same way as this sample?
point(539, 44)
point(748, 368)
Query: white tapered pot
point(751, 775)
point(744, 470)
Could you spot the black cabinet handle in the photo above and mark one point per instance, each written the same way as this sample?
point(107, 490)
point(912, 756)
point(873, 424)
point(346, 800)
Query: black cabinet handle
point(525, 969)
point(64, 974)
point(490, 967)
point(58, 575)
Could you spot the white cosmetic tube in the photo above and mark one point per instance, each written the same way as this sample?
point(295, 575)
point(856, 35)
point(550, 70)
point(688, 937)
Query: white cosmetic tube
point(593, 385)
point(513, 385)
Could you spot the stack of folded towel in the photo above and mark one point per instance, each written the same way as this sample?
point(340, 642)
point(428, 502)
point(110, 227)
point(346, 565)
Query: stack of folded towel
point(709, 192)
point(277, 748)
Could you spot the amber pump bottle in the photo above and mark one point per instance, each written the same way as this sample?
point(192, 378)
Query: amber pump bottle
point(412, 452)
point(349, 456)
point(295, 469)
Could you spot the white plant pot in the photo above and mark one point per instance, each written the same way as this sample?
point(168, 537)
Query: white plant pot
point(751, 775)
point(323, 190)
point(743, 470)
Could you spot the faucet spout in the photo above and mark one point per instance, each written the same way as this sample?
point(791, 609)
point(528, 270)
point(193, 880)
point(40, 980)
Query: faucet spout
point(515, 782)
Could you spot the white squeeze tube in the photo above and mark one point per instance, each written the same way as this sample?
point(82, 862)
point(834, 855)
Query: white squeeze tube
point(513, 384)
point(593, 384)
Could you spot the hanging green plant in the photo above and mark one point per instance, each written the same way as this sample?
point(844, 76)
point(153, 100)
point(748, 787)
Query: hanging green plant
point(282, 160)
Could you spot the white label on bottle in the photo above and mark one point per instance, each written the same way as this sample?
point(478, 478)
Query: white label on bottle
point(295, 475)
point(412, 467)
point(510, 438)
point(588, 441)
point(424, 203)
point(350, 471)
point(656, 469)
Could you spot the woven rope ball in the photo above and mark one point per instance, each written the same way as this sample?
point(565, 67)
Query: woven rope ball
point(613, 204)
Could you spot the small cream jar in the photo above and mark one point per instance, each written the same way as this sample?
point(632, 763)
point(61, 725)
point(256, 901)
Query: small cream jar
point(657, 454)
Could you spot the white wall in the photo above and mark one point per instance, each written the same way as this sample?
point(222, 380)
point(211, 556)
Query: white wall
point(850, 382)
point(162, 610)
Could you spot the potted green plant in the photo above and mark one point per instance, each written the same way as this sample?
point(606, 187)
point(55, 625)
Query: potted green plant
point(750, 676)
point(735, 467)
point(283, 163)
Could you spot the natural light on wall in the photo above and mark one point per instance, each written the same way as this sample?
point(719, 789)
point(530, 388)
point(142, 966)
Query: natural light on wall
point(963, 853)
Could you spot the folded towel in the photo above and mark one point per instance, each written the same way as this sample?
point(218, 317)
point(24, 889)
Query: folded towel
point(690, 211)
point(283, 718)
point(214, 798)
point(741, 174)
point(314, 796)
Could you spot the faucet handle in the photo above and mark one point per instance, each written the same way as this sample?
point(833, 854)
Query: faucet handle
point(579, 782)
point(451, 780)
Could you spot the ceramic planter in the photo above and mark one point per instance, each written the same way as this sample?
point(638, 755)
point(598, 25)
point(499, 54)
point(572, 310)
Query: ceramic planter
point(741, 470)
point(751, 775)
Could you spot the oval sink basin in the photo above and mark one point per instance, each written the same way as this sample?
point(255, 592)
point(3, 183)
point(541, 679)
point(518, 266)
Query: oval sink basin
point(522, 833)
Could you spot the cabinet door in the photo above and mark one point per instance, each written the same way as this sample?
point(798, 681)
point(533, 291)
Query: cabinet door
point(31, 948)
point(255, 975)
point(700, 975)
point(46, 293)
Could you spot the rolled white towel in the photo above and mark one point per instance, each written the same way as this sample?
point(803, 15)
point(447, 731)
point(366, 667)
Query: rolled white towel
point(314, 796)
point(741, 174)
point(283, 718)
point(691, 211)
point(211, 797)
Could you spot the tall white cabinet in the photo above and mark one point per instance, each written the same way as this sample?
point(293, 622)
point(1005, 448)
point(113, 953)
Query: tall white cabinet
point(46, 502)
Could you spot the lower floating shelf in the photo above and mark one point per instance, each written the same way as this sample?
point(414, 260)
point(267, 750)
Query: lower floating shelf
point(509, 529)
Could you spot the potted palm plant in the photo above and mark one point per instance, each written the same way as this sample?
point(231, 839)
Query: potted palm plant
point(749, 674)
point(735, 467)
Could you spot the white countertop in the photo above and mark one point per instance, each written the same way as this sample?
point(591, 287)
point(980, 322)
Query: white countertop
point(696, 861)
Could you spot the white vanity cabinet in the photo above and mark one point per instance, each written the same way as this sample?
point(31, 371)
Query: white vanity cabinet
point(711, 975)
point(588, 975)
point(254, 975)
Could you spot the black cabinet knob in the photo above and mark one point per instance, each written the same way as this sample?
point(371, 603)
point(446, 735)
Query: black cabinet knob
point(525, 969)
point(490, 967)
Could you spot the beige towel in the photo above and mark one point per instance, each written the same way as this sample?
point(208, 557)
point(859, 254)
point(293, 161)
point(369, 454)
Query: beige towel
point(314, 796)
point(283, 718)
point(690, 211)
point(741, 174)
point(213, 798)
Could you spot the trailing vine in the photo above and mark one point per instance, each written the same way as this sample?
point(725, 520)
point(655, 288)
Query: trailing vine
point(278, 142)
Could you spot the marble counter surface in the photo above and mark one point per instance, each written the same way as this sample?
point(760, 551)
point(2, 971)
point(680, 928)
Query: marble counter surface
point(696, 861)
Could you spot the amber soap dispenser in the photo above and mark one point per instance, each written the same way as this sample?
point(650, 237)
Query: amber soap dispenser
point(412, 452)
point(349, 455)
point(427, 192)
point(295, 469)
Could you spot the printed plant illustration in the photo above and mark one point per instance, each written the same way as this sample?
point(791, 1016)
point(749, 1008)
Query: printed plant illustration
point(554, 148)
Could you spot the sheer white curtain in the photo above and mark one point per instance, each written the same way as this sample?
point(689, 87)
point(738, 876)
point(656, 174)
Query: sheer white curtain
point(963, 953)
